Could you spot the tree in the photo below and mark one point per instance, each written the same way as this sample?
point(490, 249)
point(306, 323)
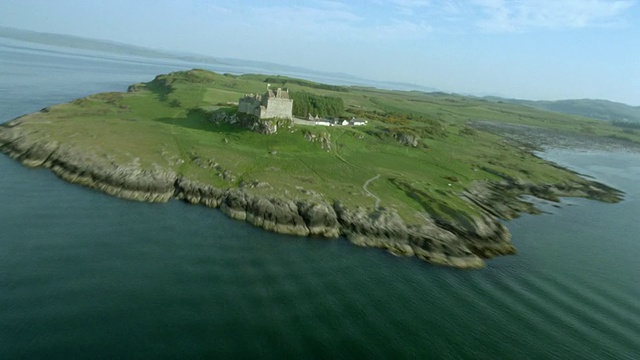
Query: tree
point(305, 103)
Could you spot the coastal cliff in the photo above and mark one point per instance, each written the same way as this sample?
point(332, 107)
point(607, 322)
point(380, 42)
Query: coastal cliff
point(418, 178)
point(463, 243)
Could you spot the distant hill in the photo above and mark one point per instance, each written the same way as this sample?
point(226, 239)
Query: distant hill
point(76, 42)
point(596, 109)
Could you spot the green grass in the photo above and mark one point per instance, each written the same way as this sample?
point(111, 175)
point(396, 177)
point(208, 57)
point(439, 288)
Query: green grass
point(159, 125)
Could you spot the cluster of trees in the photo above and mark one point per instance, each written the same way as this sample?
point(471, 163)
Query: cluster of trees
point(314, 85)
point(305, 103)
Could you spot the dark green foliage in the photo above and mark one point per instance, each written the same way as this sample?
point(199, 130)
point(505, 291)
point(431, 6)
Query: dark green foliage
point(194, 76)
point(286, 80)
point(426, 126)
point(305, 103)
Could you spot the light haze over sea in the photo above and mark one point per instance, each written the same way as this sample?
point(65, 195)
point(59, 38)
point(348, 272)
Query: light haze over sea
point(86, 275)
point(535, 49)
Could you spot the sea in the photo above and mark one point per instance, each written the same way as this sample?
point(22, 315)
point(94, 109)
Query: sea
point(84, 275)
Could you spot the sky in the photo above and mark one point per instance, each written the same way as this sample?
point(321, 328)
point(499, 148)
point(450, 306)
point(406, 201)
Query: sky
point(529, 49)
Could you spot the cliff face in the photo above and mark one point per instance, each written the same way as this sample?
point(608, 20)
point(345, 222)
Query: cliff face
point(84, 168)
point(265, 126)
point(462, 244)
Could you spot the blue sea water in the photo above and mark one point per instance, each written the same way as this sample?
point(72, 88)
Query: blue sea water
point(86, 275)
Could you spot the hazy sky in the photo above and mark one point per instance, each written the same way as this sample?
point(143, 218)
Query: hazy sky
point(535, 49)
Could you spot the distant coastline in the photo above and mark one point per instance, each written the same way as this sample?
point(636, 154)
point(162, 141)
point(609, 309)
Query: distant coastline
point(104, 47)
point(539, 138)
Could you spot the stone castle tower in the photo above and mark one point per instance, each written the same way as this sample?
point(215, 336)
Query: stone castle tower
point(273, 104)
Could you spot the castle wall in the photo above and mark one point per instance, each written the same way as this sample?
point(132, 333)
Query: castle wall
point(265, 107)
point(249, 105)
point(278, 107)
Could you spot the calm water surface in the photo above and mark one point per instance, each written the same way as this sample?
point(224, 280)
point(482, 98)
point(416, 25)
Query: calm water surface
point(85, 275)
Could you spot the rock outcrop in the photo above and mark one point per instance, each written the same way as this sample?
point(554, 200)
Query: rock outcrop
point(504, 199)
point(458, 245)
point(463, 243)
point(86, 169)
point(323, 138)
point(251, 122)
point(407, 138)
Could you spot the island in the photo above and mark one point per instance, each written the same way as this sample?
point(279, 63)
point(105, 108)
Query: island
point(418, 174)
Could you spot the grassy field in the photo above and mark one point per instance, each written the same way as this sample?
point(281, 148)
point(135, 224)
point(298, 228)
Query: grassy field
point(165, 124)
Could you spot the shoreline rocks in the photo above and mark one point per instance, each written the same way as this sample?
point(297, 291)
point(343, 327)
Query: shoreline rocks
point(461, 244)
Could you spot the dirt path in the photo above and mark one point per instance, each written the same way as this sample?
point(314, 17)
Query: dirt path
point(335, 150)
point(366, 183)
point(364, 187)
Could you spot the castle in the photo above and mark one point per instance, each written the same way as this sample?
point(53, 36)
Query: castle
point(273, 104)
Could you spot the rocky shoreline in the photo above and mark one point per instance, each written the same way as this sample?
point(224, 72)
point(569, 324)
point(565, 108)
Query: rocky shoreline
point(537, 138)
point(464, 243)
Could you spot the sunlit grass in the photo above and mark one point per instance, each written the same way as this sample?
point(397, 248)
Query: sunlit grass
point(158, 126)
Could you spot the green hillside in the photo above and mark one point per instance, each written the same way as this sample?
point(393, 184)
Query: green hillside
point(420, 144)
point(595, 109)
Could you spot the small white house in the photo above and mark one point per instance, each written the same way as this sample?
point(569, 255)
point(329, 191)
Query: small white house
point(355, 122)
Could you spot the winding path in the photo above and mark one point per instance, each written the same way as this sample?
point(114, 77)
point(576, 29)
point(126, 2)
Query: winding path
point(364, 187)
point(366, 183)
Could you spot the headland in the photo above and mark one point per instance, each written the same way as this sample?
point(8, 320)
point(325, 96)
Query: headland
point(417, 178)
